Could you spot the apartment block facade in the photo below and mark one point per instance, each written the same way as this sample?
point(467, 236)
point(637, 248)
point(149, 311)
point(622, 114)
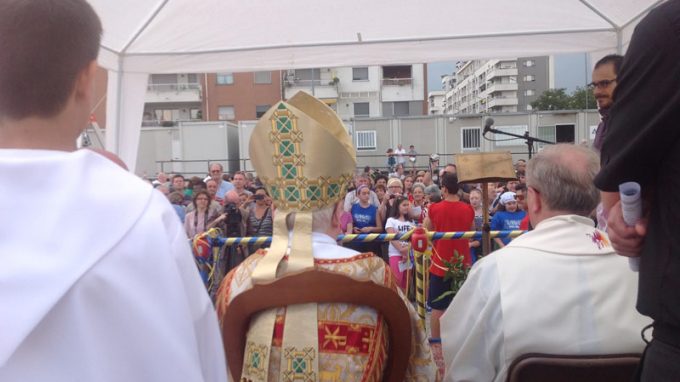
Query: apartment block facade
point(497, 86)
point(353, 92)
point(361, 92)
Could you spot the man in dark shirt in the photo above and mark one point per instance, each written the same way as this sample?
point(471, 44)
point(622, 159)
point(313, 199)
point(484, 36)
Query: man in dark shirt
point(603, 85)
point(643, 145)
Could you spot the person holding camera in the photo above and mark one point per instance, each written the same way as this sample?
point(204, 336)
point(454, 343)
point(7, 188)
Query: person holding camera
point(232, 223)
point(258, 215)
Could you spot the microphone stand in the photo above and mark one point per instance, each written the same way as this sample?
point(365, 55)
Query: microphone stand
point(528, 138)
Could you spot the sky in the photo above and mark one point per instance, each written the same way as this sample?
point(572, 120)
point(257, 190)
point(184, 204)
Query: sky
point(570, 72)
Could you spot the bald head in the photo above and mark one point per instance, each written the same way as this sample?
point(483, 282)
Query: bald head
point(563, 176)
point(232, 197)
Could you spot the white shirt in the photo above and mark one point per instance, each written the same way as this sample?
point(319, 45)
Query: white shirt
point(98, 281)
point(400, 155)
point(560, 289)
point(399, 227)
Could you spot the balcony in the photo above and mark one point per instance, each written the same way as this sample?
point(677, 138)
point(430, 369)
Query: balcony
point(324, 89)
point(496, 72)
point(173, 92)
point(161, 123)
point(498, 87)
point(397, 81)
point(502, 101)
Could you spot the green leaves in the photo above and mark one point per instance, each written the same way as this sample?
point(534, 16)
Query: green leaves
point(456, 271)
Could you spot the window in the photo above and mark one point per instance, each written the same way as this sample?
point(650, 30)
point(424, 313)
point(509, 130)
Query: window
point(401, 108)
point(360, 74)
point(307, 77)
point(361, 109)
point(226, 113)
point(366, 140)
point(225, 78)
point(507, 141)
point(529, 78)
point(529, 63)
point(196, 113)
point(529, 107)
point(167, 114)
point(262, 77)
point(470, 138)
point(557, 134)
point(260, 110)
point(529, 92)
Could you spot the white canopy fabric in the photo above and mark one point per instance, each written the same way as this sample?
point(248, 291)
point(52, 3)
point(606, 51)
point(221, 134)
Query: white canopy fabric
point(185, 36)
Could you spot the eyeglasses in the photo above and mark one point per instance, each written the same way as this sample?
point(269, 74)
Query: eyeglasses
point(206, 199)
point(601, 84)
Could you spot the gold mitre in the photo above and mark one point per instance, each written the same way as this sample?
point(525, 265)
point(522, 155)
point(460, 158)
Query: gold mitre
point(302, 154)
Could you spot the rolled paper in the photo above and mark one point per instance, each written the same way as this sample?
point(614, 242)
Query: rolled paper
point(631, 206)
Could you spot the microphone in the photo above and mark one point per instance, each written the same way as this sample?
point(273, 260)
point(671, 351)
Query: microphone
point(487, 125)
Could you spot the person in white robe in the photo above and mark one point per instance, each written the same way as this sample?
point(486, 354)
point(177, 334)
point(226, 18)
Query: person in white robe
point(559, 289)
point(97, 278)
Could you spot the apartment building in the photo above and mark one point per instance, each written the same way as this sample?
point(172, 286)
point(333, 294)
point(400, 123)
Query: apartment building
point(240, 96)
point(497, 86)
point(436, 102)
point(368, 91)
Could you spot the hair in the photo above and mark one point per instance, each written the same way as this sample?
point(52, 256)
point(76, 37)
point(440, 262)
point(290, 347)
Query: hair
point(200, 183)
point(379, 187)
point(45, 45)
point(394, 210)
point(175, 198)
point(380, 177)
point(565, 185)
point(177, 176)
point(418, 185)
point(199, 193)
point(614, 59)
point(433, 190)
point(216, 164)
point(478, 191)
point(261, 188)
point(450, 182)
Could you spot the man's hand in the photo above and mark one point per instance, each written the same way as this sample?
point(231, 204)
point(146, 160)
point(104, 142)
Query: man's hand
point(627, 241)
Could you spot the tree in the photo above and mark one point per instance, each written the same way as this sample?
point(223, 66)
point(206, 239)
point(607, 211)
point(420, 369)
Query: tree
point(579, 97)
point(553, 99)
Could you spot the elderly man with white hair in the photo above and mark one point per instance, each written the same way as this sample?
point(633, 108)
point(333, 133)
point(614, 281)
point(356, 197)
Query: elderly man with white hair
point(559, 289)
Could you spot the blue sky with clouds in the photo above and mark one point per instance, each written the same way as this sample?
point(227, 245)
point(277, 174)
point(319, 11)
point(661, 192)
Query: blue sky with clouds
point(571, 70)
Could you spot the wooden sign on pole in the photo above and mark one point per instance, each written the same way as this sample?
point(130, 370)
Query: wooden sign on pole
point(484, 168)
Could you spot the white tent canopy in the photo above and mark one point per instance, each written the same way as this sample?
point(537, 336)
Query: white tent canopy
point(185, 36)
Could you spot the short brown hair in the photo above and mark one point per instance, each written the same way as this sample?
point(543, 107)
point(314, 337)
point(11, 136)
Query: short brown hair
point(44, 45)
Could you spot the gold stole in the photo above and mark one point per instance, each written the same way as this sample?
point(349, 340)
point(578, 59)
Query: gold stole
point(300, 348)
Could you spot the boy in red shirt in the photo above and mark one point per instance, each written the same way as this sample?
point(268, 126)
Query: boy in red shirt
point(446, 216)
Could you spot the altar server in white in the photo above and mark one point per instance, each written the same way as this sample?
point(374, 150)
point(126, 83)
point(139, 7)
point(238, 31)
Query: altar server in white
point(97, 282)
point(559, 289)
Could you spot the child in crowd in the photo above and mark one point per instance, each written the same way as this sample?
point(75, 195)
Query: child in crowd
point(391, 160)
point(399, 222)
point(508, 217)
